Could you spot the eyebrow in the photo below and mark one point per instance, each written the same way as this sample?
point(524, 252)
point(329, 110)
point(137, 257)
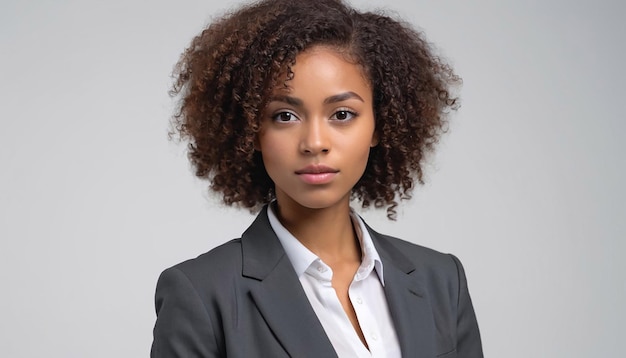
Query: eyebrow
point(342, 97)
point(293, 101)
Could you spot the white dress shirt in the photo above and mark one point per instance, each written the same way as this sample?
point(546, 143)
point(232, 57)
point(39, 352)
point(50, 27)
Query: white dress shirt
point(365, 292)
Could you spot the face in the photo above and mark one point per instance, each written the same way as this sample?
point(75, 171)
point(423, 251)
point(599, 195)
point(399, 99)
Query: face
point(317, 131)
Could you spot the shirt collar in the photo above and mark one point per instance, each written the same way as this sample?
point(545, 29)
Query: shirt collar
point(301, 257)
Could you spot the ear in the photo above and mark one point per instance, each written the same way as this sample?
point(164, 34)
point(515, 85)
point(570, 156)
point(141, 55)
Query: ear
point(374, 140)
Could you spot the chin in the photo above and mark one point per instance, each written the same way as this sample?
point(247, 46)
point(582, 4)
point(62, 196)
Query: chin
point(317, 201)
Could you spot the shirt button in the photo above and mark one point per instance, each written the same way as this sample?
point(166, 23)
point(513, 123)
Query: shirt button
point(359, 300)
point(374, 336)
point(321, 269)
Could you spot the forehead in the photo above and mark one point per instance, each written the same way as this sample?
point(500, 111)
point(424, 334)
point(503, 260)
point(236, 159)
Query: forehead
point(323, 67)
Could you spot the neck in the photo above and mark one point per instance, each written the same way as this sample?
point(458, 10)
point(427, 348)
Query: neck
point(327, 232)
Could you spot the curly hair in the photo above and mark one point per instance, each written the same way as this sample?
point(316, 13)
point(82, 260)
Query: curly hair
point(225, 78)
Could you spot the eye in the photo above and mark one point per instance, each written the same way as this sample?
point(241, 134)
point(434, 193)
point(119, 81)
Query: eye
point(284, 117)
point(343, 115)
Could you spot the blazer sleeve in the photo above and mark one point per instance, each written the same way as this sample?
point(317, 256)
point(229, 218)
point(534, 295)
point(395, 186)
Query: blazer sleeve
point(183, 326)
point(468, 336)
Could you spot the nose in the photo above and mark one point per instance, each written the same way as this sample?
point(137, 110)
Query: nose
point(315, 138)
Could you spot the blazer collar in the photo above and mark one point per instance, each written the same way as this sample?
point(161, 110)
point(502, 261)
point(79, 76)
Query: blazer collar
point(407, 300)
point(284, 305)
point(279, 295)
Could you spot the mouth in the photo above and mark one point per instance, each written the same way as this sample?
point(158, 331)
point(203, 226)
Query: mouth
point(317, 169)
point(317, 174)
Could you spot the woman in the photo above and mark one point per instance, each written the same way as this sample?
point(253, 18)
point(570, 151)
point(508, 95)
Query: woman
point(298, 107)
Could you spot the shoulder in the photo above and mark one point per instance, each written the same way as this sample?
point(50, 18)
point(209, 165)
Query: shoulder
point(213, 268)
point(190, 298)
point(422, 258)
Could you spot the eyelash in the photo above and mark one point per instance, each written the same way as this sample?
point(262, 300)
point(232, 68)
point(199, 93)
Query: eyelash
point(276, 116)
point(350, 113)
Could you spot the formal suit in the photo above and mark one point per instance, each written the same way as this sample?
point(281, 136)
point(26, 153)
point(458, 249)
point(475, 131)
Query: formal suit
point(244, 299)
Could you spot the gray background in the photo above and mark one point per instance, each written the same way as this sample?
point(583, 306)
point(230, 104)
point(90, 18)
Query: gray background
point(527, 188)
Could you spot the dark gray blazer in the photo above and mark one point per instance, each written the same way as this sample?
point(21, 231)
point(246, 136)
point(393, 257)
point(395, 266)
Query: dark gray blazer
point(244, 299)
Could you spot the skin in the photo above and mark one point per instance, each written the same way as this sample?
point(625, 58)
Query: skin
point(321, 121)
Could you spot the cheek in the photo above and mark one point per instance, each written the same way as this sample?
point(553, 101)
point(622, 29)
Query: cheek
point(272, 151)
point(357, 152)
point(264, 142)
point(367, 140)
point(362, 151)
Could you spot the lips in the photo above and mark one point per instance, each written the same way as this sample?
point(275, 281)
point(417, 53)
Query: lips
point(317, 174)
point(316, 169)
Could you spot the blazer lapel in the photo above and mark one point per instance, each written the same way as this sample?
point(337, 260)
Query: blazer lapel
point(279, 295)
point(407, 300)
